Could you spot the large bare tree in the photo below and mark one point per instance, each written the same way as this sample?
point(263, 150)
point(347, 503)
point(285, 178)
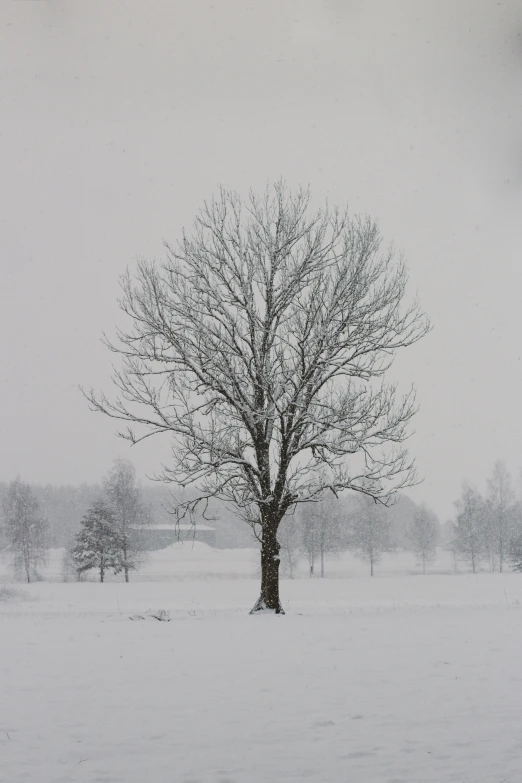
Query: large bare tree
point(260, 345)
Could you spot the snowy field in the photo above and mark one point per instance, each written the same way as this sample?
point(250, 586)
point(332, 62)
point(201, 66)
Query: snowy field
point(396, 678)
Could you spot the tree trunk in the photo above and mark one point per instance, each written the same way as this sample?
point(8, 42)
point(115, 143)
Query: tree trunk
point(102, 572)
point(270, 560)
point(27, 565)
point(126, 566)
point(322, 562)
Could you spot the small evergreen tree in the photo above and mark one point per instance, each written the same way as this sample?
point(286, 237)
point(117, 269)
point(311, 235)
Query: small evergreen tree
point(424, 535)
point(98, 543)
point(24, 529)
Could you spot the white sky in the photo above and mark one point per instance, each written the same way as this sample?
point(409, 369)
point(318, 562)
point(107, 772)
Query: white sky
point(118, 117)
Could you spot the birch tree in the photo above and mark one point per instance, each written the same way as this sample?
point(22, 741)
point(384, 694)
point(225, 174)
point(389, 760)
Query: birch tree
point(24, 529)
point(261, 346)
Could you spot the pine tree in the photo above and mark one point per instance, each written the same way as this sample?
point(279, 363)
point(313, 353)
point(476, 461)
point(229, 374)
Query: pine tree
point(424, 535)
point(98, 543)
point(24, 529)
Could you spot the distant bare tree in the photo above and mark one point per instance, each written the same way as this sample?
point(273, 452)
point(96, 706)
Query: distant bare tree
point(424, 535)
point(320, 531)
point(260, 345)
point(129, 512)
point(514, 551)
point(24, 529)
point(501, 499)
point(469, 528)
point(370, 531)
point(450, 542)
point(310, 535)
point(290, 537)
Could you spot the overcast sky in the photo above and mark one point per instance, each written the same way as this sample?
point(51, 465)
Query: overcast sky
point(118, 117)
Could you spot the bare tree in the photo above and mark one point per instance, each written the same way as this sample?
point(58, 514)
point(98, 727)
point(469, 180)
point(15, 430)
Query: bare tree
point(370, 531)
point(24, 529)
point(290, 537)
point(424, 535)
point(501, 502)
point(260, 345)
point(469, 539)
point(514, 552)
point(450, 542)
point(129, 512)
point(320, 524)
point(310, 522)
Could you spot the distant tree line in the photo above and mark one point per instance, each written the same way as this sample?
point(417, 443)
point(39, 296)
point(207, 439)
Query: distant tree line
point(107, 538)
point(487, 530)
point(361, 525)
point(63, 508)
point(99, 527)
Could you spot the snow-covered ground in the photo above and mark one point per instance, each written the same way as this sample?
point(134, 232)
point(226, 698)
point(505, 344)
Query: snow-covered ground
point(399, 678)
